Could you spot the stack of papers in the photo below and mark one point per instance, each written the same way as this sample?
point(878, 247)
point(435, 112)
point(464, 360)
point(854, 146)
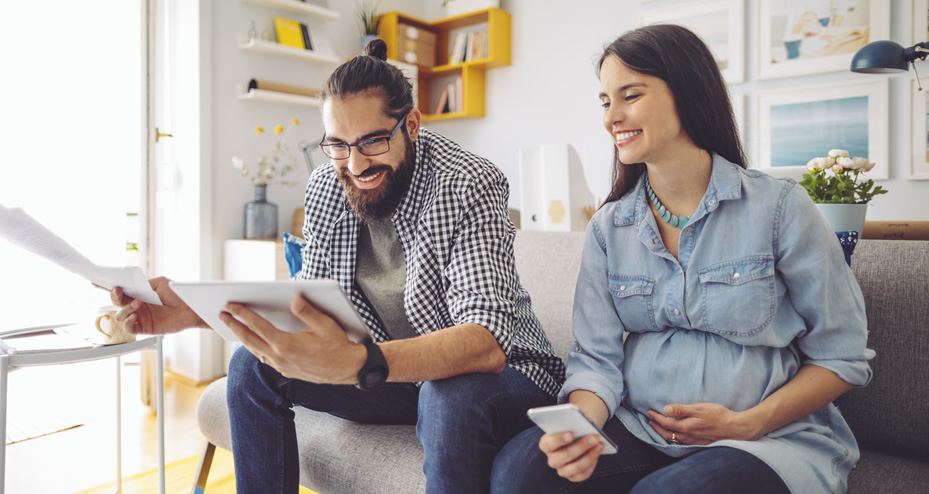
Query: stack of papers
point(42, 340)
point(22, 230)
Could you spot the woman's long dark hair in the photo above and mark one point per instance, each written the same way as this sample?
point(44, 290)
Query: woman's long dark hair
point(371, 72)
point(677, 56)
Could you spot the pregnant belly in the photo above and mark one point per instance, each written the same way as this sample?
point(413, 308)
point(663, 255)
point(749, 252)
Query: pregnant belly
point(685, 366)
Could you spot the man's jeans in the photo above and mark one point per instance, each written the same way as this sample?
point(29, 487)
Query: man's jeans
point(462, 422)
point(637, 468)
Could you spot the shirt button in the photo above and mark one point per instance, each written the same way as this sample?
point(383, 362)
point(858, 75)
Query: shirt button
point(677, 312)
point(736, 276)
point(577, 347)
point(622, 287)
point(712, 201)
point(654, 242)
point(687, 230)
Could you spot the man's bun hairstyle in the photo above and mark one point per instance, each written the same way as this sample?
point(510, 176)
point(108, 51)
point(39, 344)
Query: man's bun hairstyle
point(371, 73)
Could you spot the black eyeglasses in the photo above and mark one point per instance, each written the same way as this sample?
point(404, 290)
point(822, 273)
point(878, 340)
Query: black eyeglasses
point(368, 147)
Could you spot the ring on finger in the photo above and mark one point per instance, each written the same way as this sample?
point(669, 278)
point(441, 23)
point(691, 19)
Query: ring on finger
point(674, 438)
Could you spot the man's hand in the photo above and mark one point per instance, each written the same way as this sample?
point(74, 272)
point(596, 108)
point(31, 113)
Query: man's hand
point(573, 460)
point(702, 423)
point(147, 319)
point(321, 352)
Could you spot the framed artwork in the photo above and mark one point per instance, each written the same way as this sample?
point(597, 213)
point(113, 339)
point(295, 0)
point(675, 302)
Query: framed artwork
point(919, 161)
point(798, 124)
point(738, 109)
point(720, 23)
point(799, 37)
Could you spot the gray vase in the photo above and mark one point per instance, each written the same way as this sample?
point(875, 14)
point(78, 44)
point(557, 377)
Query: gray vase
point(260, 216)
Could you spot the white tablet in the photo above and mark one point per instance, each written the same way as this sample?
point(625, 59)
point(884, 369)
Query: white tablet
point(271, 300)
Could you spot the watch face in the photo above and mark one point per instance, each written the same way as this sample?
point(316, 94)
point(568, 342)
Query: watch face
point(375, 376)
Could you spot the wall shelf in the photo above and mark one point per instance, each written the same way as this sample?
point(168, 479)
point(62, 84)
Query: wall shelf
point(275, 96)
point(471, 73)
point(262, 46)
point(299, 7)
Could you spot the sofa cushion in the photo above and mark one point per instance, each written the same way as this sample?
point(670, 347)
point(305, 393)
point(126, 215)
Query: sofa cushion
point(336, 455)
point(551, 287)
point(890, 414)
point(883, 472)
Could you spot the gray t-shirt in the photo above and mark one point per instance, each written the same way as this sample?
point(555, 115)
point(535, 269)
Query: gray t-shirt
point(380, 272)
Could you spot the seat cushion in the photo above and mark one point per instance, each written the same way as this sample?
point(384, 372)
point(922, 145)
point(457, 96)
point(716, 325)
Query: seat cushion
point(336, 455)
point(883, 472)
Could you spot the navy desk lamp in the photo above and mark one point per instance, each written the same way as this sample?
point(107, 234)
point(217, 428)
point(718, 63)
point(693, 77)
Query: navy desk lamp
point(885, 56)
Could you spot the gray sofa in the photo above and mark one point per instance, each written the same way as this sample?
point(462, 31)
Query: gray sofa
point(890, 417)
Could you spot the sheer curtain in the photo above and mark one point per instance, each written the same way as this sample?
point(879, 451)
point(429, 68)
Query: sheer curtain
point(71, 133)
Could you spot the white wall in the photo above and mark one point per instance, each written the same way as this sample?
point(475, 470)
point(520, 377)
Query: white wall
point(547, 95)
point(234, 120)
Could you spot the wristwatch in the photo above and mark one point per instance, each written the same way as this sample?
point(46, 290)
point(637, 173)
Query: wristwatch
point(374, 371)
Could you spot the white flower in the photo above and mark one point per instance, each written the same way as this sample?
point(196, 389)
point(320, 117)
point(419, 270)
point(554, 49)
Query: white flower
point(859, 164)
point(238, 163)
point(816, 164)
point(837, 168)
point(838, 153)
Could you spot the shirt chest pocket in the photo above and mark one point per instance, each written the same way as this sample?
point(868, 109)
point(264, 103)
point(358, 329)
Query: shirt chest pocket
point(632, 296)
point(738, 297)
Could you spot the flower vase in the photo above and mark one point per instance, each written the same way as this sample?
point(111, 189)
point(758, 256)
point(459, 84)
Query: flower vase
point(260, 216)
point(844, 217)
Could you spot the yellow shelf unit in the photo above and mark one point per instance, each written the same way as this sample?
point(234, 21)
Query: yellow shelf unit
point(472, 72)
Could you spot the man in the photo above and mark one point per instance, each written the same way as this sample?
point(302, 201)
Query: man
point(416, 230)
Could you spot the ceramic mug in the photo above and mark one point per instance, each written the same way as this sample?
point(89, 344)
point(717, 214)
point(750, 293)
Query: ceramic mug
point(113, 332)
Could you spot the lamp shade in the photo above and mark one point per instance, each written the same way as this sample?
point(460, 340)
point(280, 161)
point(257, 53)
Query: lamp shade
point(880, 56)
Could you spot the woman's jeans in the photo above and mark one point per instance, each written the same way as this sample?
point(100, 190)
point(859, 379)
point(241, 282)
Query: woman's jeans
point(462, 422)
point(521, 467)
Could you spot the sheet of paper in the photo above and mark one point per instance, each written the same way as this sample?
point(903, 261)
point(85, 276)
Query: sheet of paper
point(22, 230)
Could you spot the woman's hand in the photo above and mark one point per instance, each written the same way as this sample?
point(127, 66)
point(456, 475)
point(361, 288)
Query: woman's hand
point(573, 460)
point(141, 318)
point(702, 423)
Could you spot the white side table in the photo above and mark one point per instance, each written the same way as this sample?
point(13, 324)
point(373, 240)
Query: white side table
point(11, 362)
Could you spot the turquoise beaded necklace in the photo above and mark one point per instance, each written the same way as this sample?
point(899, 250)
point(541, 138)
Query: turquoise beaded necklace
point(675, 221)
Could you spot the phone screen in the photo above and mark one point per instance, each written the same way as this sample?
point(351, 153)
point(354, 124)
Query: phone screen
point(568, 417)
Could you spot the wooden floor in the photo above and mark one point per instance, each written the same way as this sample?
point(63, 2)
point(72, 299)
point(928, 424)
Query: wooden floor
point(84, 457)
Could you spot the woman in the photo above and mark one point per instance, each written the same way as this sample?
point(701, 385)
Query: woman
point(743, 321)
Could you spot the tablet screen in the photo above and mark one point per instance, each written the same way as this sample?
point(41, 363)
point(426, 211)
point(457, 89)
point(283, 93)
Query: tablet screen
point(271, 300)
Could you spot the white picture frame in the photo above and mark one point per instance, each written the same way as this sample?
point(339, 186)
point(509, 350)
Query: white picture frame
point(919, 159)
point(737, 100)
point(721, 25)
point(797, 124)
point(920, 28)
point(798, 37)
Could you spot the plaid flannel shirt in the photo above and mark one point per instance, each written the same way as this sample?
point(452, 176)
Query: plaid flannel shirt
point(457, 237)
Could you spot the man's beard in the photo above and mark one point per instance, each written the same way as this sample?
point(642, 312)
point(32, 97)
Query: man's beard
point(369, 205)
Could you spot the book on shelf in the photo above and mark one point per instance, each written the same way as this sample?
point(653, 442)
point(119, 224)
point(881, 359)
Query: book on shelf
point(443, 102)
point(452, 97)
point(288, 32)
point(306, 36)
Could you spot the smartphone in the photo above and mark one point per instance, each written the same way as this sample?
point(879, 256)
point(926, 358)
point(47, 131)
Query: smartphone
point(568, 417)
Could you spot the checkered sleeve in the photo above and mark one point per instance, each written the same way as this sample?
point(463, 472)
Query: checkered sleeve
point(481, 271)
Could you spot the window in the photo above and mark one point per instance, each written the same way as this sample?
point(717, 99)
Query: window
point(71, 137)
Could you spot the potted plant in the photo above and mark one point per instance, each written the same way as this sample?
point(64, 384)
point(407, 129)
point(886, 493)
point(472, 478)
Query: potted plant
point(369, 21)
point(832, 182)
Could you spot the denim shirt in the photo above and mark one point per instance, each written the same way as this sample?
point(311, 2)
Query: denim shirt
point(760, 288)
